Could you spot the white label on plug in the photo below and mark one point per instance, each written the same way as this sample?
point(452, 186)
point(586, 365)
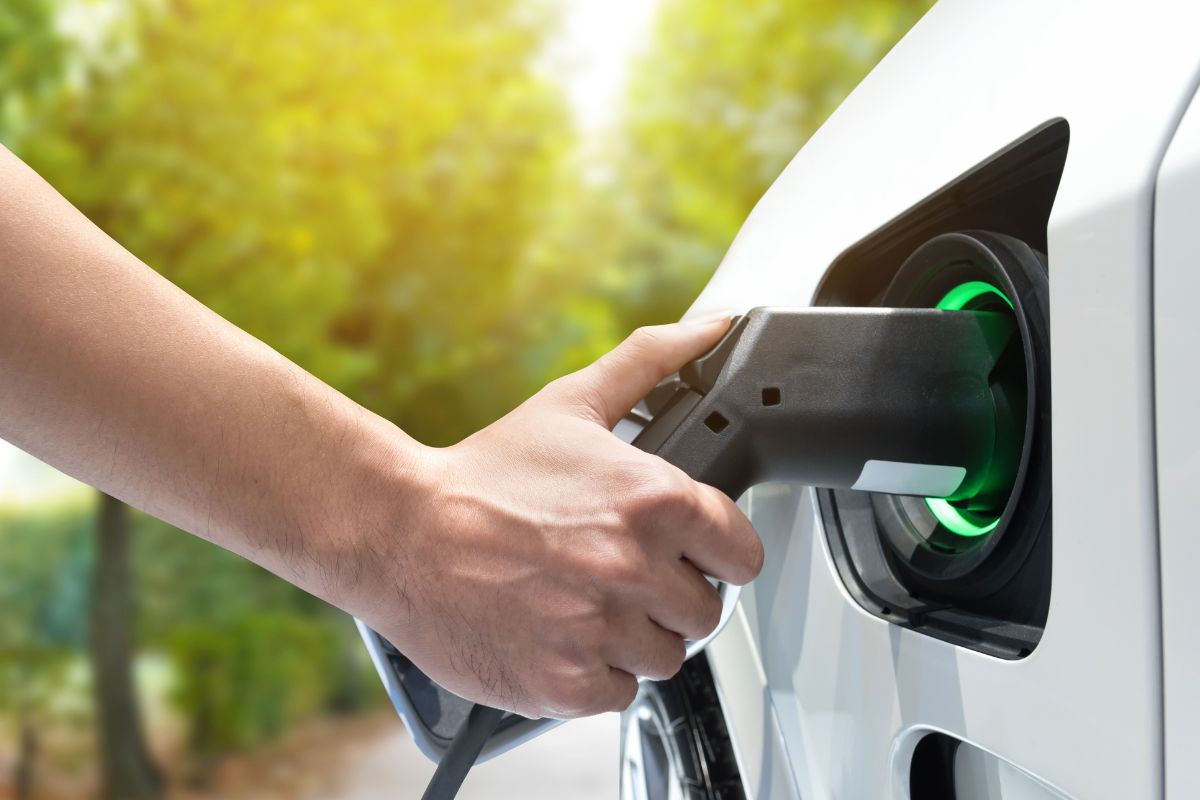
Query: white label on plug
point(899, 477)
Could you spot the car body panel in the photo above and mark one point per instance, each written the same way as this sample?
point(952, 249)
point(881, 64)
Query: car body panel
point(1083, 712)
point(1177, 398)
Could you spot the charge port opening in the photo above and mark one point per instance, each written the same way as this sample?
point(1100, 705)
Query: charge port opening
point(971, 518)
point(974, 570)
point(960, 523)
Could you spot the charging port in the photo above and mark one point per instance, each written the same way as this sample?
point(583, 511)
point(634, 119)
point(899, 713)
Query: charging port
point(974, 568)
point(978, 517)
point(941, 540)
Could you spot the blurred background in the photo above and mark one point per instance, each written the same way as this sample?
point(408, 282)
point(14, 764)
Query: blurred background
point(436, 206)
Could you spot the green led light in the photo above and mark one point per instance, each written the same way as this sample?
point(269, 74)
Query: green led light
point(964, 523)
point(965, 294)
point(956, 520)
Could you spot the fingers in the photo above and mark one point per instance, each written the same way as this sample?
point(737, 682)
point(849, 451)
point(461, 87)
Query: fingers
point(615, 383)
point(644, 648)
point(621, 689)
point(685, 602)
point(723, 543)
point(672, 516)
point(613, 690)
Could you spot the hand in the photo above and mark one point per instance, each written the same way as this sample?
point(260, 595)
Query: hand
point(539, 565)
point(552, 563)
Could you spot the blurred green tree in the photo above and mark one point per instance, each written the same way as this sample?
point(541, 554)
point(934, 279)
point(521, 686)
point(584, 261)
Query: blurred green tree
point(385, 192)
point(44, 561)
point(360, 186)
point(39, 628)
point(32, 57)
point(720, 103)
point(129, 771)
point(253, 655)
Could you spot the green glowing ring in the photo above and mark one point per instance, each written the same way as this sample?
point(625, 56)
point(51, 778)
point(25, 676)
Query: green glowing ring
point(955, 520)
point(963, 523)
point(965, 294)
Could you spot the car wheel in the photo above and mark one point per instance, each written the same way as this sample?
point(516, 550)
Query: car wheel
point(674, 743)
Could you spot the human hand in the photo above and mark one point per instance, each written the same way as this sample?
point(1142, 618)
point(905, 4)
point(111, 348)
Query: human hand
point(552, 563)
point(538, 565)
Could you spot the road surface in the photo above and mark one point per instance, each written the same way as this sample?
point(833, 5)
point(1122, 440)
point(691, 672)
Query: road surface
point(576, 760)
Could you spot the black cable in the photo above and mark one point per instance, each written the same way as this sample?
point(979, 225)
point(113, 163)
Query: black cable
point(452, 770)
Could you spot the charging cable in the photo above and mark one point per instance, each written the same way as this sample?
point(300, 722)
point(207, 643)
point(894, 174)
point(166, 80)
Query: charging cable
point(452, 770)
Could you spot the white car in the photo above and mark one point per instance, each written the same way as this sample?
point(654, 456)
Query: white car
point(1039, 643)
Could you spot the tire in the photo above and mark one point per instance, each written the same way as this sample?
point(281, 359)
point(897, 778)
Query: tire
point(674, 742)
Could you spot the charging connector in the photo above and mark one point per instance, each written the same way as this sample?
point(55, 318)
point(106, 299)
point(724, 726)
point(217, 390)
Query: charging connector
point(896, 401)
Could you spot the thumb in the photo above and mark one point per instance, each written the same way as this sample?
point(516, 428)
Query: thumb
point(615, 383)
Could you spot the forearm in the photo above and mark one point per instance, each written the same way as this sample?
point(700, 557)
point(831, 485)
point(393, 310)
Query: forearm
point(540, 564)
point(120, 379)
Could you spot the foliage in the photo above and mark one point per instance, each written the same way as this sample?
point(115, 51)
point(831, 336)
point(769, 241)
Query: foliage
point(44, 562)
point(389, 194)
point(719, 105)
point(356, 185)
point(246, 681)
point(252, 654)
point(185, 581)
point(44, 558)
point(32, 57)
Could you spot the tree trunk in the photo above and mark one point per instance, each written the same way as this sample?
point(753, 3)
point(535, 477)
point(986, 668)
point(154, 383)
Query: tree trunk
point(27, 746)
point(129, 773)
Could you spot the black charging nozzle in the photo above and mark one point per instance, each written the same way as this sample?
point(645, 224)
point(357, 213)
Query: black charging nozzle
point(892, 400)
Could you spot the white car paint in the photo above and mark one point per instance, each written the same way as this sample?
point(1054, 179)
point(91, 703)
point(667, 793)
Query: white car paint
point(1177, 395)
point(811, 680)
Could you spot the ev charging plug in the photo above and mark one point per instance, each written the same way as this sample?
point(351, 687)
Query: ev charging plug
point(892, 400)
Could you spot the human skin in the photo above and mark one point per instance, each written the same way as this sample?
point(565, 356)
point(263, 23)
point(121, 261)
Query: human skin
point(537, 566)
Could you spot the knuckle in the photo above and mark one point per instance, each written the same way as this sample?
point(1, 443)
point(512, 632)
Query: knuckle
point(645, 337)
point(754, 558)
point(572, 697)
point(572, 388)
point(637, 507)
point(675, 656)
point(645, 346)
point(623, 566)
point(688, 507)
point(564, 386)
point(617, 563)
point(626, 692)
point(587, 636)
point(709, 614)
point(561, 384)
point(660, 493)
point(577, 391)
point(745, 549)
point(590, 398)
point(677, 664)
point(680, 496)
point(666, 660)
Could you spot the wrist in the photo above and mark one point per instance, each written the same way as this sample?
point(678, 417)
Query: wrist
point(378, 495)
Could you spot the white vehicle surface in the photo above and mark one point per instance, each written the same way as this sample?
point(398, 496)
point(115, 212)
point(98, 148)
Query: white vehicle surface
point(824, 697)
point(1046, 646)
